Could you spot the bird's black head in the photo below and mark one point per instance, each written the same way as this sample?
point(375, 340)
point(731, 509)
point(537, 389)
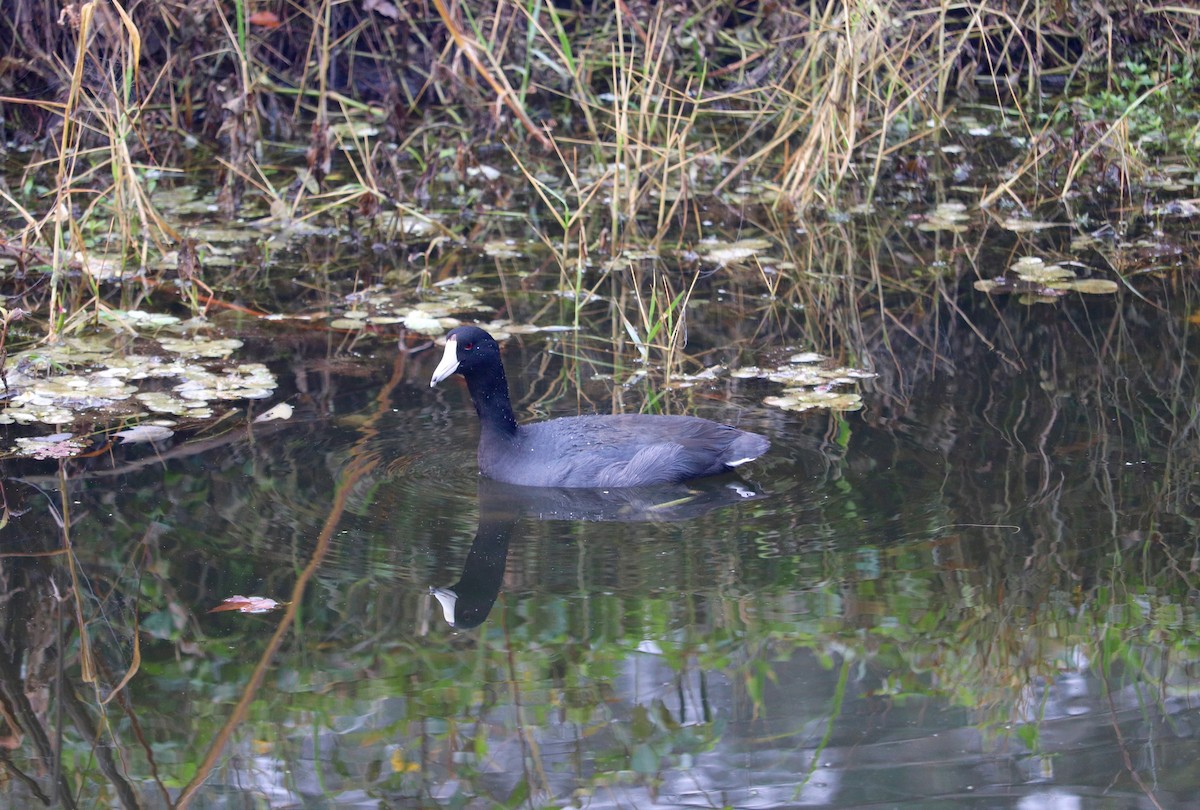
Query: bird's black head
point(469, 350)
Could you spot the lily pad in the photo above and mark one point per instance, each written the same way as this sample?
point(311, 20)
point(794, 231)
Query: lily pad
point(1039, 283)
point(502, 249)
point(163, 402)
point(1090, 286)
point(139, 319)
point(101, 267)
point(486, 172)
point(727, 253)
point(806, 400)
point(59, 445)
point(201, 347)
point(423, 323)
point(1025, 225)
point(407, 224)
point(56, 384)
point(808, 383)
point(1033, 269)
point(949, 216)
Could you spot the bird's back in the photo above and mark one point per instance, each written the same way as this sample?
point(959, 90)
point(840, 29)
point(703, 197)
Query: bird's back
point(616, 451)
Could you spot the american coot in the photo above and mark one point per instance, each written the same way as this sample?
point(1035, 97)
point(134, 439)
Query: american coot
point(633, 450)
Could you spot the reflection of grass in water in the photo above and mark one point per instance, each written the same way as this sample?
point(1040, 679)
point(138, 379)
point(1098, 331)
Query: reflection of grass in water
point(966, 619)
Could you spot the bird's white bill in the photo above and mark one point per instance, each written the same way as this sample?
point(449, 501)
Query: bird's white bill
point(449, 363)
point(446, 598)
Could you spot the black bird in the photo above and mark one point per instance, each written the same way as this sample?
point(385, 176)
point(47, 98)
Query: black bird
point(633, 450)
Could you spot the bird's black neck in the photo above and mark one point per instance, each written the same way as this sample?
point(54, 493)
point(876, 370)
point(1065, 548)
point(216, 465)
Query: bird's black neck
point(489, 393)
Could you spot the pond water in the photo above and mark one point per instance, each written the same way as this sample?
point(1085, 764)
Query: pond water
point(978, 591)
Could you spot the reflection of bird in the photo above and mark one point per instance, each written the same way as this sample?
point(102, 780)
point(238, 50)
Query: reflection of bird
point(632, 450)
point(466, 603)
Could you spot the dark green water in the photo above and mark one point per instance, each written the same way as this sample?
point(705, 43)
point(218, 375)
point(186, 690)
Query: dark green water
point(979, 591)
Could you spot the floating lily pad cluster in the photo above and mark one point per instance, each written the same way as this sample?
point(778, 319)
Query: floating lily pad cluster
point(1024, 224)
point(949, 216)
point(729, 253)
point(1037, 282)
point(57, 445)
point(507, 248)
point(179, 375)
point(809, 382)
point(433, 316)
point(688, 380)
point(753, 192)
point(502, 330)
point(1175, 177)
point(408, 224)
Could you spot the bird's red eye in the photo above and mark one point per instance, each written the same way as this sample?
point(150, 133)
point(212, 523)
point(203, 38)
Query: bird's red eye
point(466, 347)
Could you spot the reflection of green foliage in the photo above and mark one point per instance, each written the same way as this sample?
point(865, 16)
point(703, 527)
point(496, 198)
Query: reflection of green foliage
point(551, 659)
point(1159, 124)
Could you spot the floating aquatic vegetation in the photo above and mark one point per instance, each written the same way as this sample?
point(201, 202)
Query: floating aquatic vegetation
point(378, 306)
point(486, 172)
point(169, 197)
point(139, 319)
point(56, 400)
point(1038, 283)
point(55, 385)
point(1088, 286)
point(407, 223)
point(727, 253)
point(754, 192)
point(582, 296)
point(164, 402)
point(101, 267)
point(630, 258)
point(688, 380)
point(1018, 224)
point(1173, 177)
point(230, 235)
point(201, 347)
point(808, 383)
point(503, 249)
point(527, 328)
point(502, 330)
point(353, 128)
point(602, 173)
point(1183, 209)
point(1031, 268)
point(807, 399)
point(249, 381)
point(949, 216)
point(58, 445)
point(972, 126)
point(425, 323)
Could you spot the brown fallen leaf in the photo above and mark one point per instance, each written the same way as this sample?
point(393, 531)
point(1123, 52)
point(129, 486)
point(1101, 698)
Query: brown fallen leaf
point(248, 604)
point(264, 19)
